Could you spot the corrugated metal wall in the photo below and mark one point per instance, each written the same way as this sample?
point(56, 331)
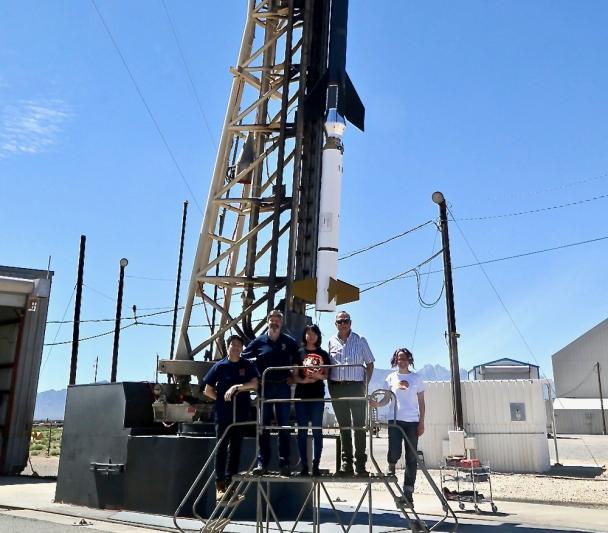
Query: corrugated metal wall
point(506, 445)
point(579, 421)
point(20, 362)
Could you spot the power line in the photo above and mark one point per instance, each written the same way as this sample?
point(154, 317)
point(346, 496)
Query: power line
point(189, 75)
point(532, 211)
point(561, 187)
point(426, 285)
point(502, 303)
point(375, 245)
point(58, 329)
point(92, 336)
point(388, 280)
point(507, 258)
point(145, 103)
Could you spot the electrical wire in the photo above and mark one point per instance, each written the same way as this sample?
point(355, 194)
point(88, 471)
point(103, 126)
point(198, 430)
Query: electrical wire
point(421, 301)
point(502, 303)
point(561, 187)
point(92, 336)
point(426, 285)
point(145, 103)
point(506, 258)
point(189, 75)
point(65, 312)
point(532, 211)
point(565, 394)
point(393, 278)
point(385, 241)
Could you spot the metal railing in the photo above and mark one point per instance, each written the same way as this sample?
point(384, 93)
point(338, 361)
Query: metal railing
point(241, 482)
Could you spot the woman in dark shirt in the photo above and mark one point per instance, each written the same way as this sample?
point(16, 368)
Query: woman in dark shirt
point(310, 385)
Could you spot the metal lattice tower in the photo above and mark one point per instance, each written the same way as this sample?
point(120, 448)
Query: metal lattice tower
point(259, 228)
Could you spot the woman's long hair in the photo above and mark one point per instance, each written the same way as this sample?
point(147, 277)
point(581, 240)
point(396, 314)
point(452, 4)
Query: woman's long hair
point(315, 329)
point(396, 354)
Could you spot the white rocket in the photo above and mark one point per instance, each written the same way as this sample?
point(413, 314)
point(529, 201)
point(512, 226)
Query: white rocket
point(335, 96)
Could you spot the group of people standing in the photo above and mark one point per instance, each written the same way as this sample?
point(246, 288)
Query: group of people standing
point(351, 365)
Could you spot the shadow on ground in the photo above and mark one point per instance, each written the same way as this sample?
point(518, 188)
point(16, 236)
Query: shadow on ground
point(578, 471)
point(391, 521)
point(25, 480)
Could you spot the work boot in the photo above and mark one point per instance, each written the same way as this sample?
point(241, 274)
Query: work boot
point(303, 472)
point(346, 470)
point(285, 471)
point(362, 472)
point(315, 471)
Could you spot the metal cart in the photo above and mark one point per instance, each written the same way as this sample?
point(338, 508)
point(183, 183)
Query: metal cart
point(467, 479)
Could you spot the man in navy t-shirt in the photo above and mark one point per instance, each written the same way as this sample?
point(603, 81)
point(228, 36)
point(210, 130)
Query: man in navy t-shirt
point(223, 382)
point(274, 349)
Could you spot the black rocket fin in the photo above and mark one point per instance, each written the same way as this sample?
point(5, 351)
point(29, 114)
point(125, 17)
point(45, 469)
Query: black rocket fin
point(314, 104)
point(350, 105)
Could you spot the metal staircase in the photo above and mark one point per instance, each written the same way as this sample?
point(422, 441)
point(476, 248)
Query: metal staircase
point(224, 510)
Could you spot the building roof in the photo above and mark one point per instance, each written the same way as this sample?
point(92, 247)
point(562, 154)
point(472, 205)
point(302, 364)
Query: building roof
point(506, 362)
point(582, 404)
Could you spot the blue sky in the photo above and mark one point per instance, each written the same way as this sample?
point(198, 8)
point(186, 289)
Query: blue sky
point(500, 105)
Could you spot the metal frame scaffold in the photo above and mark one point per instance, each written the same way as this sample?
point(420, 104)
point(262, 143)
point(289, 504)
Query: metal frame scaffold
point(262, 203)
point(222, 514)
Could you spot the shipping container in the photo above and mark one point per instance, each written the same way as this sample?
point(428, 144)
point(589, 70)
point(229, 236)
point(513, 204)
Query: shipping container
point(24, 299)
point(507, 417)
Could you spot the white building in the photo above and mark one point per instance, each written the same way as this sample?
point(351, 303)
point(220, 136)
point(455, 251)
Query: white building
point(507, 418)
point(504, 368)
point(577, 382)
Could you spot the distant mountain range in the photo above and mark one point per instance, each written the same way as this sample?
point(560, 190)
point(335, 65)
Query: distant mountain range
point(51, 403)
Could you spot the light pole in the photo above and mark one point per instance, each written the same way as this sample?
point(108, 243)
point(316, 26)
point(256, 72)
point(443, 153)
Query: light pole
point(121, 280)
point(439, 199)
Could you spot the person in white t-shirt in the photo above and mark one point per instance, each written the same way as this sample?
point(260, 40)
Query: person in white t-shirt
point(408, 388)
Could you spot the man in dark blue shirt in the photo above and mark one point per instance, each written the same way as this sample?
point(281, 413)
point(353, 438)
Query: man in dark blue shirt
point(274, 349)
point(223, 382)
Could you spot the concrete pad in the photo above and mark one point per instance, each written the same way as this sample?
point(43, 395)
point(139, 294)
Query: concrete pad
point(37, 496)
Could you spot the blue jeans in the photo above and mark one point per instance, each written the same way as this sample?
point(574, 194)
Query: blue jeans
point(275, 391)
point(310, 412)
point(395, 446)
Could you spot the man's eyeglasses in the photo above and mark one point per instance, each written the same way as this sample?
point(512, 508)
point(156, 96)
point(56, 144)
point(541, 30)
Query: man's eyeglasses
point(343, 321)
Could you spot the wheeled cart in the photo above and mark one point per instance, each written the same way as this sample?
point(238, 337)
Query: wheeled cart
point(465, 483)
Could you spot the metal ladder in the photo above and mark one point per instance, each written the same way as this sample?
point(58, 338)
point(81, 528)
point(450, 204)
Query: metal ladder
point(225, 508)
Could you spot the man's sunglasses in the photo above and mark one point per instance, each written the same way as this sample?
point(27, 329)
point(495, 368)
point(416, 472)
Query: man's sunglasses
point(343, 321)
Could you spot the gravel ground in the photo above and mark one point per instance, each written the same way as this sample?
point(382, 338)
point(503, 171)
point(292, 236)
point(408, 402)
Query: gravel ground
point(583, 480)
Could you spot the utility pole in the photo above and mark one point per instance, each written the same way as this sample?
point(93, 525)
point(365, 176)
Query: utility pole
point(96, 365)
point(599, 383)
point(121, 280)
point(179, 277)
point(77, 305)
point(439, 199)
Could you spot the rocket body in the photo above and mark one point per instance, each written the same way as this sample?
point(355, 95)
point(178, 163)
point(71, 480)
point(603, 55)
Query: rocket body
point(329, 210)
point(335, 96)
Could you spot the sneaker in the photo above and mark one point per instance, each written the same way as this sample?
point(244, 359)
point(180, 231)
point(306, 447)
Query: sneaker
point(285, 471)
point(303, 472)
point(315, 471)
point(260, 471)
point(391, 469)
point(362, 472)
